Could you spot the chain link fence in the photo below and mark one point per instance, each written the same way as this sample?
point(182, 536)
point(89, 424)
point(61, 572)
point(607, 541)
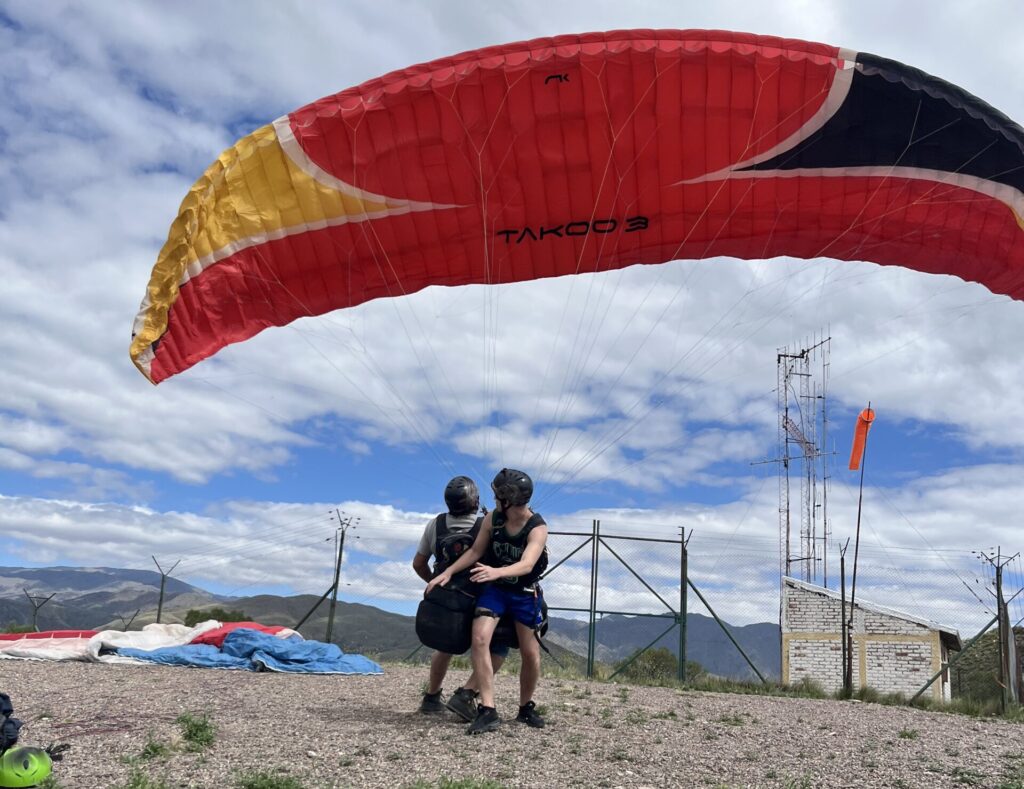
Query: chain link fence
point(615, 593)
point(612, 601)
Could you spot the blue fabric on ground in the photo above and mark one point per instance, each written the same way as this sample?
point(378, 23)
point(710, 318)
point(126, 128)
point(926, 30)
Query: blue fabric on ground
point(256, 651)
point(200, 655)
point(295, 655)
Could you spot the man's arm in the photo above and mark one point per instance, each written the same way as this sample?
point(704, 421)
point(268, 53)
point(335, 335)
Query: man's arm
point(424, 550)
point(421, 566)
point(535, 542)
point(469, 558)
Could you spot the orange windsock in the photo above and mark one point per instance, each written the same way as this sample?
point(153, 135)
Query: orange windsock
point(860, 437)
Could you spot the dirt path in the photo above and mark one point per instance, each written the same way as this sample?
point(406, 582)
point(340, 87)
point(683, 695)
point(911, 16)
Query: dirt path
point(333, 731)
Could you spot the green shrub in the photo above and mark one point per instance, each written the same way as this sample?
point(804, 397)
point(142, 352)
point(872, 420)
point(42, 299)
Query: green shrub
point(264, 780)
point(657, 666)
point(198, 732)
point(195, 616)
point(154, 749)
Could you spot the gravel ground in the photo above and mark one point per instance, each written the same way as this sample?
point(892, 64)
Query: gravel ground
point(334, 731)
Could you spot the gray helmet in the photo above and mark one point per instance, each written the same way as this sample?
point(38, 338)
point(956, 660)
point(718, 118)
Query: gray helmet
point(461, 496)
point(512, 487)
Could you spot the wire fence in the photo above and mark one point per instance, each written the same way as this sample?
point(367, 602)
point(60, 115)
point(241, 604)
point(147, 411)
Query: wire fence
point(624, 595)
point(615, 595)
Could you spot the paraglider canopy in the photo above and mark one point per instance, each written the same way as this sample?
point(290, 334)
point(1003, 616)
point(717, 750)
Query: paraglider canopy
point(586, 153)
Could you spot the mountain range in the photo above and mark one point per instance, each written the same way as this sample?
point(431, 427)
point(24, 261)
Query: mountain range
point(99, 598)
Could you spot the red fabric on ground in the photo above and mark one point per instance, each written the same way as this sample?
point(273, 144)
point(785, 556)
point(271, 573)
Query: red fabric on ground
point(216, 636)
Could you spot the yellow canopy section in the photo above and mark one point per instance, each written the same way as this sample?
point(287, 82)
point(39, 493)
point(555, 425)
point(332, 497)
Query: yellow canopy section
point(261, 188)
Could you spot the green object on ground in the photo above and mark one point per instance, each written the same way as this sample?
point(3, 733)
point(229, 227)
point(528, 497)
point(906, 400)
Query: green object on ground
point(20, 767)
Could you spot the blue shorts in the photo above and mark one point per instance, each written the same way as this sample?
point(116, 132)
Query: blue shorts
point(523, 606)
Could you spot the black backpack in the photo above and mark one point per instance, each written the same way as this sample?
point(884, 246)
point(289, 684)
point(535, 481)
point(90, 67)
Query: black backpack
point(9, 726)
point(444, 618)
point(448, 545)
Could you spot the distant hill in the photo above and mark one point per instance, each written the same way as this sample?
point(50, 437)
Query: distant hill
point(95, 597)
point(89, 598)
point(619, 636)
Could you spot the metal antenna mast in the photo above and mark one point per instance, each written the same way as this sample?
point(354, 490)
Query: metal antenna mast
point(802, 419)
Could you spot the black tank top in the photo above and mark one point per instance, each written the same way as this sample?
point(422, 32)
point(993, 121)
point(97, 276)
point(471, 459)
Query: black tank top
point(506, 549)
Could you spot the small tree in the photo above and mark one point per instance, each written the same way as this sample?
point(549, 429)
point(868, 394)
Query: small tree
point(195, 616)
point(14, 627)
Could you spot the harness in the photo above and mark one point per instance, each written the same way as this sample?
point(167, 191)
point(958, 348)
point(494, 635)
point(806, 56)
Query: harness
point(527, 584)
point(449, 545)
point(506, 549)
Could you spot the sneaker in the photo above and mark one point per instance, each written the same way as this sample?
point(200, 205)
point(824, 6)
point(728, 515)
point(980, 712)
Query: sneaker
point(462, 703)
point(432, 704)
point(486, 720)
point(528, 715)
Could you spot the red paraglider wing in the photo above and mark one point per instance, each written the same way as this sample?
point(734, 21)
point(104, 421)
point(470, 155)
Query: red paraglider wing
point(586, 153)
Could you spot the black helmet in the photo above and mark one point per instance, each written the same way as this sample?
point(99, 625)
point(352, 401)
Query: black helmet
point(462, 496)
point(513, 488)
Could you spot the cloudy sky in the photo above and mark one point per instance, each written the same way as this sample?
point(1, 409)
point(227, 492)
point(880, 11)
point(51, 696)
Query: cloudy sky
point(642, 397)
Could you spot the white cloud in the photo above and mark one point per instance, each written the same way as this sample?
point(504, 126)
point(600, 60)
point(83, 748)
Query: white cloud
point(910, 558)
point(617, 362)
point(655, 378)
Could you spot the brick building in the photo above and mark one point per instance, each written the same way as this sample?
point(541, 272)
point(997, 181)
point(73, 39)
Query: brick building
point(893, 652)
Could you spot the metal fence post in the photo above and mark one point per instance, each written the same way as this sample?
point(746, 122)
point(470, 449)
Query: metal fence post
point(595, 527)
point(682, 606)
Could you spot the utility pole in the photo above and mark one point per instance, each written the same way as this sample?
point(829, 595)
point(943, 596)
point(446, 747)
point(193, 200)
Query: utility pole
point(339, 539)
point(36, 606)
point(128, 623)
point(163, 584)
point(1008, 676)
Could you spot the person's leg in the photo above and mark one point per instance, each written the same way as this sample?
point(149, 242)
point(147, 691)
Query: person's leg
point(487, 718)
point(463, 701)
point(438, 668)
point(527, 612)
point(489, 608)
point(431, 702)
point(483, 669)
point(498, 654)
point(529, 673)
